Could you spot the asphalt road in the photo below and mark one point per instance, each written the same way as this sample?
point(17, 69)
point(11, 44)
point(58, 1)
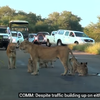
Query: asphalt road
point(49, 80)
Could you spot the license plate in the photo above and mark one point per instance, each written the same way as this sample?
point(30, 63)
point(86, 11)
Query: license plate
point(40, 40)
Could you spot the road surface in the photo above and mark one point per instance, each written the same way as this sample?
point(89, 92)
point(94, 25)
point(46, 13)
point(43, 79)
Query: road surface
point(49, 80)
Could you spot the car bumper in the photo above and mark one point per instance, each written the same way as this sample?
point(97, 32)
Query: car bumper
point(41, 42)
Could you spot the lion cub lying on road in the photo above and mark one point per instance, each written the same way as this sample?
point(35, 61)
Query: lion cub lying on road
point(80, 68)
point(11, 53)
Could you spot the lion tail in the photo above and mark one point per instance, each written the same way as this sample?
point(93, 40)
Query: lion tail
point(71, 52)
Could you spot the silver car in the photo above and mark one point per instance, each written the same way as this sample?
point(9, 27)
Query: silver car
point(31, 37)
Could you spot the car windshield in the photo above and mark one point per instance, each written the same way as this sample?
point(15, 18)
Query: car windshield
point(3, 31)
point(14, 34)
point(31, 36)
point(80, 34)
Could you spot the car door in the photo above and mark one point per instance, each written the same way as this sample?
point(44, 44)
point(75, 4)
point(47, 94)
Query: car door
point(59, 36)
point(66, 37)
point(71, 37)
point(52, 38)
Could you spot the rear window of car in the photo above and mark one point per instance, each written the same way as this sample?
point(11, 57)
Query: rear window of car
point(44, 33)
point(31, 36)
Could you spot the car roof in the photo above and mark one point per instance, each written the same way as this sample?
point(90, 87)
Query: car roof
point(43, 33)
point(71, 30)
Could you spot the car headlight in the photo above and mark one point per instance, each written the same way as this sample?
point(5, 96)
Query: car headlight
point(36, 38)
point(14, 40)
point(81, 40)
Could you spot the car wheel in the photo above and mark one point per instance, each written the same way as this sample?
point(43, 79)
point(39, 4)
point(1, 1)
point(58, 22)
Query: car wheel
point(5, 47)
point(76, 42)
point(59, 43)
point(17, 44)
point(48, 44)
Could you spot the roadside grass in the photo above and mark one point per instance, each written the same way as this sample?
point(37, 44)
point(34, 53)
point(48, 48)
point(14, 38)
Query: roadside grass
point(89, 48)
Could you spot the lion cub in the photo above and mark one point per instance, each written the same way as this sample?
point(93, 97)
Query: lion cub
point(11, 54)
point(80, 68)
point(46, 62)
point(41, 64)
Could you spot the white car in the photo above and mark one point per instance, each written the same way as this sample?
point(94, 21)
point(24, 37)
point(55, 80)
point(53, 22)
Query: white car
point(71, 37)
point(17, 37)
point(62, 37)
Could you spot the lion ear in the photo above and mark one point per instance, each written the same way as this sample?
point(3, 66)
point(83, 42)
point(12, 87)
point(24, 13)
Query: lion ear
point(81, 63)
point(86, 63)
point(69, 59)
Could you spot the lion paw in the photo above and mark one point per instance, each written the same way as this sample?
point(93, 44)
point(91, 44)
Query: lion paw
point(63, 74)
point(35, 73)
point(14, 67)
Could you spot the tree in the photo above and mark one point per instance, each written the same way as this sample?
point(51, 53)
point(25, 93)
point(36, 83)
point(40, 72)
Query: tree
point(6, 14)
point(69, 21)
point(65, 20)
point(93, 31)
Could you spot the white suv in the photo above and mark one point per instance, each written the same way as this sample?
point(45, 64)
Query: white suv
point(17, 37)
point(71, 37)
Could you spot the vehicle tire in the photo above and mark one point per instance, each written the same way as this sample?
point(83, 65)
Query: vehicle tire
point(5, 47)
point(48, 44)
point(17, 44)
point(76, 42)
point(59, 43)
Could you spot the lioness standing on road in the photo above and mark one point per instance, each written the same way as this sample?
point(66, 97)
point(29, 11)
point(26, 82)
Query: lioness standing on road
point(30, 66)
point(11, 54)
point(38, 52)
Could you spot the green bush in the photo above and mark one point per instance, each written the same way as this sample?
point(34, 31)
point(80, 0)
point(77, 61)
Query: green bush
point(89, 48)
point(94, 49)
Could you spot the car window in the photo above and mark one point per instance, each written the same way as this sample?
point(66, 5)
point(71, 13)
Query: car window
point(71, 34)
point(61, 32)
point(43, 33)
point(80, 34)
point(14, 34)
point(66, 33)
point(31, 36)
point(19, 34)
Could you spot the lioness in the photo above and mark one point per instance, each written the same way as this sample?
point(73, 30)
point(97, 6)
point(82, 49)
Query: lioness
point(11, 54)
point(39, 52)
point(30, 66)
